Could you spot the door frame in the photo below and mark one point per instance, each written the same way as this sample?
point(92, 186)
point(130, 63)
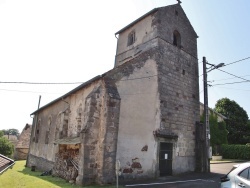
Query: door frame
point(169, 162)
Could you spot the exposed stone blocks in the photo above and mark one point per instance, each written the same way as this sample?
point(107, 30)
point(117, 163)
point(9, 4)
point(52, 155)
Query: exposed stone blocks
point(179, 95)
point(100, 135)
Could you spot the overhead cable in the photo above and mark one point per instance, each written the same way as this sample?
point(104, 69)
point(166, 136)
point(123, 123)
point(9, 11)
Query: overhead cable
point(236, 61)
point(230, 83)
point(233, 75)
point(38, 83)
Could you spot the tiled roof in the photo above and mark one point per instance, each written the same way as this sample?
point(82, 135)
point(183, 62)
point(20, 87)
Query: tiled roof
point(5, 163)
point(24, 138)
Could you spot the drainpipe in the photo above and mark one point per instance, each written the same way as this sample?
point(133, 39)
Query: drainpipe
point(116, 48)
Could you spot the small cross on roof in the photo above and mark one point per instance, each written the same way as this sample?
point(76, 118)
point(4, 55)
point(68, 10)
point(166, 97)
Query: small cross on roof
point(179, 2)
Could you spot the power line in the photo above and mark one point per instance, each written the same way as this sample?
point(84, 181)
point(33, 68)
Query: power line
point(236, 61)
point(38, 83)
point(230, 83)
point(228, 78)
point(27, 91)
point(234, 89)
point(60, 83)
point(233, 75)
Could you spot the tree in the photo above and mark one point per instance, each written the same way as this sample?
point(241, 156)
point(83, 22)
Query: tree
point(247, 136)
point(11, 132)
point(6, 147)
point(1, 133)
point(236, 121)
point(218, 133)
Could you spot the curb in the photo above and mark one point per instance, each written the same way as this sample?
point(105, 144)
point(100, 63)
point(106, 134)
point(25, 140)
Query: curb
point(221, 162)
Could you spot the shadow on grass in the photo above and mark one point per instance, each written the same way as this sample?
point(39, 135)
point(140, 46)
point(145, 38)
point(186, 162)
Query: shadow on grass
point(56, 180)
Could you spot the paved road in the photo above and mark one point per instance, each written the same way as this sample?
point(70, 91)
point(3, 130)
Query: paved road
point(192, 180)
point(223, 168)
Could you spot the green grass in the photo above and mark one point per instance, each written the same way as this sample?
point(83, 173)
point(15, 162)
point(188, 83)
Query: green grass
point(21, 176)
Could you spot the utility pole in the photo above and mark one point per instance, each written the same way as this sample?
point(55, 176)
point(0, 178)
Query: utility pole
point(206, 119)
point(33, 130)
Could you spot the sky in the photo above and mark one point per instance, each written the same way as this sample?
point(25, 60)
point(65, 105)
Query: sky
point(65, 41)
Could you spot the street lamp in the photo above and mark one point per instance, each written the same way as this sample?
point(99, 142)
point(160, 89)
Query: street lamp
point(206, 118)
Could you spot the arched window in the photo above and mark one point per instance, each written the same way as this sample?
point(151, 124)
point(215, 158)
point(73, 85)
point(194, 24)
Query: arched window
point(177, 39)
point(79, 119)
point(131, 38)
point(38, 131)
point(48, 130)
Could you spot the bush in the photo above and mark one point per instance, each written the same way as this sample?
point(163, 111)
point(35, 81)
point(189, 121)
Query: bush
point(6, 147)
point(218, 133)
point(236, 151)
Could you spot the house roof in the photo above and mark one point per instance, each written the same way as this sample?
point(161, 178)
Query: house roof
point(69, 93)
point(218, 114)
point(24, 138)
point(5, 163)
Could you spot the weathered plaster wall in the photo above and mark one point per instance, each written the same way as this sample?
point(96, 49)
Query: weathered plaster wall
point(51, 124)
point(136, 148)
point(145, 32)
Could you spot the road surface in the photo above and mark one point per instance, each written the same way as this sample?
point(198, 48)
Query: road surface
point(195, 180)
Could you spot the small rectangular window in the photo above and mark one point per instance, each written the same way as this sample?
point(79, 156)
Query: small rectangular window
point(131, 38)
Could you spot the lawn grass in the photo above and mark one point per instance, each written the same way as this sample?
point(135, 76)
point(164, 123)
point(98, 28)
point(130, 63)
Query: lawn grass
point(21, 176)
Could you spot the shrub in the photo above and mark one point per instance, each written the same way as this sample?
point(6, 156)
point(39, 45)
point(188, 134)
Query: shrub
point(6, 147)
point(236, 151)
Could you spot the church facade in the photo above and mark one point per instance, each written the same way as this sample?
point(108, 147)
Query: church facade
point(141, 113)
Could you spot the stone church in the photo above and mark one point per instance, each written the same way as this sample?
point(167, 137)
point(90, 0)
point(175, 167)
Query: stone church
point(142, 112)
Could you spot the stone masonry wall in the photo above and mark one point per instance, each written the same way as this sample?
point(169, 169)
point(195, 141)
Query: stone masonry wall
point(179, 98)
point(110, 129)
point(40, 163)
point(87, 173)
point(98, 151)
point(173, 18)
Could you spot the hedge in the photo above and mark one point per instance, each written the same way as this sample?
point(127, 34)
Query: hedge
point(235, 151)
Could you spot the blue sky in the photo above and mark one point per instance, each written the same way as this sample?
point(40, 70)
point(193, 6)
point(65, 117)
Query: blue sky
point(73, 41)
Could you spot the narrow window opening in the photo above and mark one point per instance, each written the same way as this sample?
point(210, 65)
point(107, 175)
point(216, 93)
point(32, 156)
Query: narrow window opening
point(48, 131)
point(37, 131)
point(131, 38)
point(176, 13)
point(183, 72)
point(176, 39)
point(79, 120)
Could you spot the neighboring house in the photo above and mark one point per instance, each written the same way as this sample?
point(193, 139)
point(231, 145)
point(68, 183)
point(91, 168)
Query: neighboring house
point(5, 163)
point(22, 146)
point(220, 117)
point(143, 112)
